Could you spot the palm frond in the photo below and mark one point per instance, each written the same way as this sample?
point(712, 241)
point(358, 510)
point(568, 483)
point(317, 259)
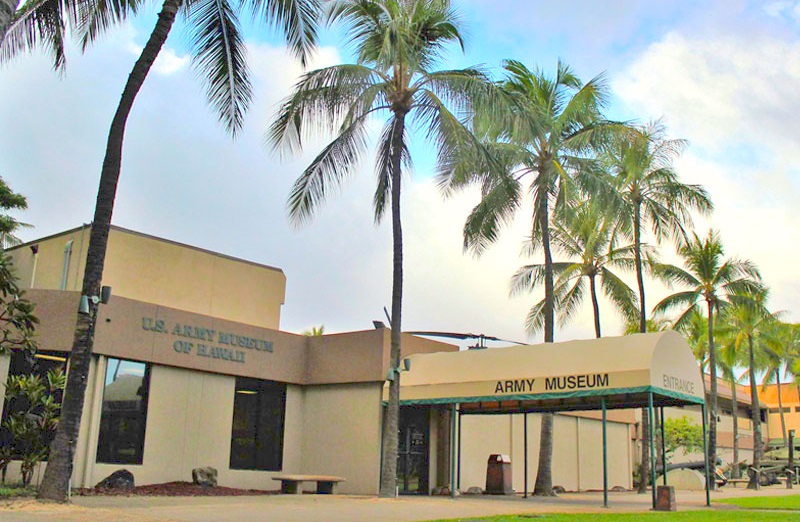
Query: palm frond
point(40, 23)
point(327, 171)
point(100, 15)
point(219, 56)
point(297, 19)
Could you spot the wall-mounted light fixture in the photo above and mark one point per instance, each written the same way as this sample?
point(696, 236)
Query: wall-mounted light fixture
point(405, 367)
point(104, 297)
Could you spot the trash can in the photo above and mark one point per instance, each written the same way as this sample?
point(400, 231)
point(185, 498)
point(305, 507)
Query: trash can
point(498, 475)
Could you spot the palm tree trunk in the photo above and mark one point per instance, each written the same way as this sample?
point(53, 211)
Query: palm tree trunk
point(637, 253)
point(735, 471)
point(644, 465)
point(712, 410)
point(390, 426)
point(595, 306)
point(780, 406)
point(544, 472)
point(755, 413)
point(59, 465)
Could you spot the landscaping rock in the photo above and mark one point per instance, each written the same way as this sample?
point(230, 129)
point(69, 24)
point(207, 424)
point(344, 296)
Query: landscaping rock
point(206, 476)
point(559, 490)
point(474, 490)
point(120, 479)
point(618, 489)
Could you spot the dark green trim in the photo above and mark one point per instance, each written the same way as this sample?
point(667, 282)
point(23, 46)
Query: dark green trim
point(605, 392)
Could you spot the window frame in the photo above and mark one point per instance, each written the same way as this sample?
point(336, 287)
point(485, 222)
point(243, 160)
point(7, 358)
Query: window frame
point(105, 456)
point(260, 389)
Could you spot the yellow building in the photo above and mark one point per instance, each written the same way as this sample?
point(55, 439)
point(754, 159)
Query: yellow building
point(191, 369)
point(789, 401)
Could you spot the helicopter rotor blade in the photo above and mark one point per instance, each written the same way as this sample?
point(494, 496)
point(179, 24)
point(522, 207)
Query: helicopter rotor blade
point(458, 335)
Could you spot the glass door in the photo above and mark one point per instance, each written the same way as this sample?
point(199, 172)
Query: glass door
point(412, 458)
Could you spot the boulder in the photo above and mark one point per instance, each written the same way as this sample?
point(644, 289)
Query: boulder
point(618, 489)
point(206, 476)
point(474, 490)
point(120, 479)
point(558, 490)
point(685, 479)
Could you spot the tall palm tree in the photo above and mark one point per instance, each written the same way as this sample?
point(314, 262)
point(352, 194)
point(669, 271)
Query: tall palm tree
point(398, 42)
point(650, 196)
point(544, 145)
point(780, 349)
point(729, 361)
point(218, 54)
point(712, 281)
point(749, 319)
point(586, 237)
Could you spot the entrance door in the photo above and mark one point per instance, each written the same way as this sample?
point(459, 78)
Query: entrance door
point(412, 458)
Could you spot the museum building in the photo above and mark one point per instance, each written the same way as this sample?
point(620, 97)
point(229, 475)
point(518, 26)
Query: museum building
point(191, 369)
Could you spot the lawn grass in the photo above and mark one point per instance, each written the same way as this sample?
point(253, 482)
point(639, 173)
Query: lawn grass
point(790, 502)
point(16, 490)
point(682, 516)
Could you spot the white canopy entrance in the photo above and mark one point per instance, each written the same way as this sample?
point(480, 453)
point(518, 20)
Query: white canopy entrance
point(634, 371)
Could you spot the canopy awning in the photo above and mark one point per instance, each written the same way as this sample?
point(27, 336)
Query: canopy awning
point(621, 372)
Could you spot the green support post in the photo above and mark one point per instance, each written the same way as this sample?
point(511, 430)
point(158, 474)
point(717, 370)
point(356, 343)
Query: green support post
point(650, 416)
point(705, 458)
point(453, 451)
point(663, 447)
point(525, 436)
point(605, 458)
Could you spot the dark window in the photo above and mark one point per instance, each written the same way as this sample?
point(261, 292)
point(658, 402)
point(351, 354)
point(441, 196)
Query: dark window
point(124, 415)
point(24, 363)
point(257, 434)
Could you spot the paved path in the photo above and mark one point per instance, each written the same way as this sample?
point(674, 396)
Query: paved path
point(339, 508)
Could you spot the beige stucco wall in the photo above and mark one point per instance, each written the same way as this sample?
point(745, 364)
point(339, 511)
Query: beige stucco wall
point(189, 419)
point(577, 450)
point(342, 435)
point(159, 271)
point(49, 262)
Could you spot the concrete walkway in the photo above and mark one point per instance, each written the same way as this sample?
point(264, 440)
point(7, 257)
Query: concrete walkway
point(341, 508)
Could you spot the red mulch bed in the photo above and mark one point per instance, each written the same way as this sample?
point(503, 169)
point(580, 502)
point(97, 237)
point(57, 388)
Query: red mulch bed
point(174, 489)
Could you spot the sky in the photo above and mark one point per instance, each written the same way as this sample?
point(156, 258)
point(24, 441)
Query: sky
point(722, 74)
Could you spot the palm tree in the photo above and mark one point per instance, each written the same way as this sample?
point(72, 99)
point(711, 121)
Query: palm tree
point(397, 43)
point(749, 320)
point(9, 226)
point(780, 348)
point(712, 280)
point(650, 196)
point(730, 358)
point(545, 141)
point(315, 331)
point(219, 55)
point(585, 235)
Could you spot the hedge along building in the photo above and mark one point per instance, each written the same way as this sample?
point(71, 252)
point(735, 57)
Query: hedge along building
point(190, 369)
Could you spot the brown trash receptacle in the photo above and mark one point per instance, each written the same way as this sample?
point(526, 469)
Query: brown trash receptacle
point(498, 475)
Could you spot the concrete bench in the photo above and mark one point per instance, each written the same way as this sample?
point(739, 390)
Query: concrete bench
point(326, 485)
point(738, 481)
